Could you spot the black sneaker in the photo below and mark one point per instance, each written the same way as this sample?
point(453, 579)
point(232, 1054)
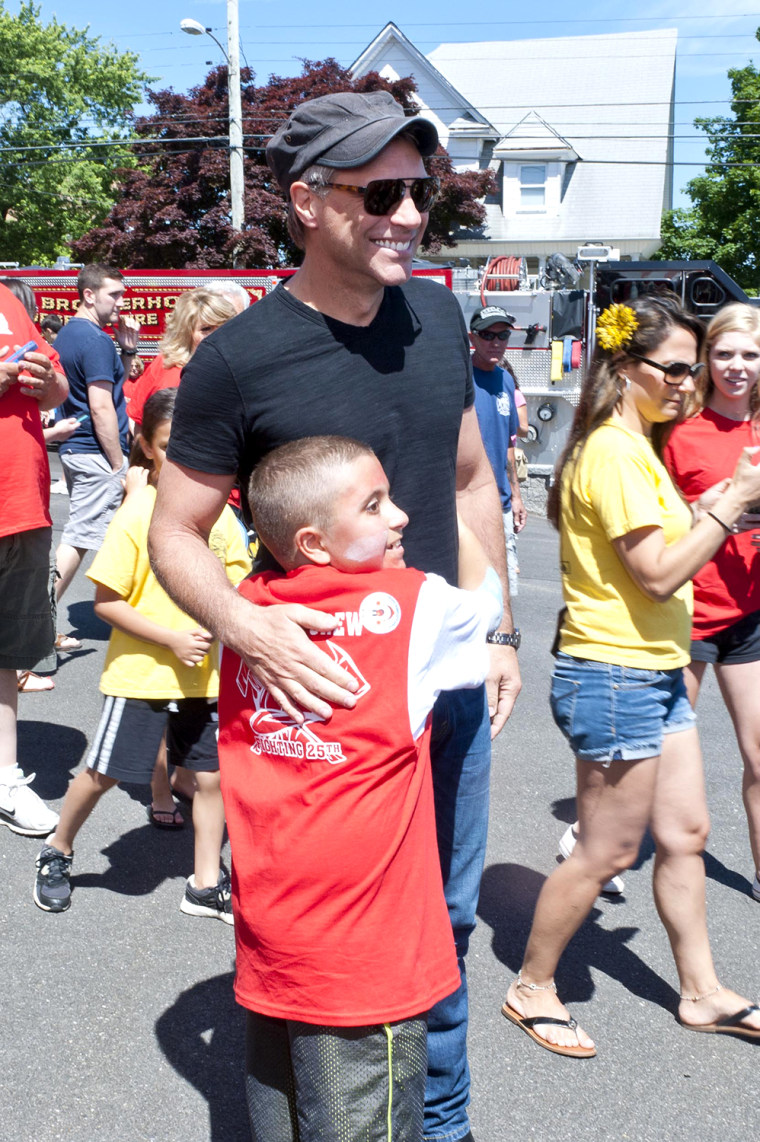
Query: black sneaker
point(52, 890)
point(215, 902)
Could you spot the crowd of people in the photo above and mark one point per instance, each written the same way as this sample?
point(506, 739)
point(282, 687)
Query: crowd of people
point(372, 658)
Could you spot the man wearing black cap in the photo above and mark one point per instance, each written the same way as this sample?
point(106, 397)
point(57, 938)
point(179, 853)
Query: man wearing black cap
point(490, 328)
point(352, 345)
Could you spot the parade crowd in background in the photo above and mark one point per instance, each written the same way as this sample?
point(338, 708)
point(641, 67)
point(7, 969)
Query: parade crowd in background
point(326, 484)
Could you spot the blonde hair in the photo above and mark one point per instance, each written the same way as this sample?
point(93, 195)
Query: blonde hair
point(734, 318)
point(194, 309)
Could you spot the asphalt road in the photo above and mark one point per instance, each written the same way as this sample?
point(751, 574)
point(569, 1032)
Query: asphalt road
point(118, 1017)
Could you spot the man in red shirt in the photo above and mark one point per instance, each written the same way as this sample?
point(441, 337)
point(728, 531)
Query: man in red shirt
point(27, 387)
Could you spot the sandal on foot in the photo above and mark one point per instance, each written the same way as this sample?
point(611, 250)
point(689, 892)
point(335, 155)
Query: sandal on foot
point(527, 1025)
point(67, 642)
point(166, 818)
point(728, 1025)
point(31, 683)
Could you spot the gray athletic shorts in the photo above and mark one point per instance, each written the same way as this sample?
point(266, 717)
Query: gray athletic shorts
point(95, 492)
point(306, 1083)
point(26, 620)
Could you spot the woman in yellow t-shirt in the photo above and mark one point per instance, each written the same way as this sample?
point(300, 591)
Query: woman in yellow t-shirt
point(629, 547)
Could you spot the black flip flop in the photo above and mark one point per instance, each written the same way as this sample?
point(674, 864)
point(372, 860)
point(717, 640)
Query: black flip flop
point(527, 1025)
point(177, 820)
point(729, 1025)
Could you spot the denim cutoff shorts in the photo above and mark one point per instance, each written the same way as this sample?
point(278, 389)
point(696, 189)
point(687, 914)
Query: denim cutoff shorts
point(617, 713)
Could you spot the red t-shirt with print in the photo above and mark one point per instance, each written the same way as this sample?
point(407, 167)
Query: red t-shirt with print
point(340, 917)
point(25, 482)
point(700, 452)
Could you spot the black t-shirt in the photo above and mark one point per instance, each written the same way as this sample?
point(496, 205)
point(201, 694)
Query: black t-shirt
point(281, 371)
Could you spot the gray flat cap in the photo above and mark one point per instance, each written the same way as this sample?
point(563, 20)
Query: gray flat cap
point(345, 129)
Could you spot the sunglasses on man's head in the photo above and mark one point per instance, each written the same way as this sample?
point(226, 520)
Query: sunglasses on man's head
point(382, 194)
point(675, 373)
point(490, 335)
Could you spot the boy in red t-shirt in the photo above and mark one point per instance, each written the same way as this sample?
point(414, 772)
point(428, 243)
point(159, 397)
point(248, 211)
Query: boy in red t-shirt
point(343, 936)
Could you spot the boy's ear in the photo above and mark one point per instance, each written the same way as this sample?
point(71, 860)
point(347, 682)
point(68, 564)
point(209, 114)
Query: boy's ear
point(309, 543)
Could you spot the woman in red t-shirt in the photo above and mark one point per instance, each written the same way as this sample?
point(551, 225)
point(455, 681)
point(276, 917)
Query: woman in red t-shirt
point(702, 450)
point(198, 313)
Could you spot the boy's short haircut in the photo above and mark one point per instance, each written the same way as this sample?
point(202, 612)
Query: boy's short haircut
point(93, 276)
point(291, 488)
point(52, 323)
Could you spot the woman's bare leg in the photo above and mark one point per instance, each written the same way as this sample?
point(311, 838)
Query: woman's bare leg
point(692, 676)
point(614, 805)
point(680, 825)
point(740, 686)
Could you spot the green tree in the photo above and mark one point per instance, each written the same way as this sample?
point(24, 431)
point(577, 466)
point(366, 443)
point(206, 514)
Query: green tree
point(60, 91)
point(722, 223)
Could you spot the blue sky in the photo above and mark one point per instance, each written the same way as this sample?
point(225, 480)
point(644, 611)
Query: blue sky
point(713, 36)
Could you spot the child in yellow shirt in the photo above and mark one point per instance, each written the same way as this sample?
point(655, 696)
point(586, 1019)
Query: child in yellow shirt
point(160, 674)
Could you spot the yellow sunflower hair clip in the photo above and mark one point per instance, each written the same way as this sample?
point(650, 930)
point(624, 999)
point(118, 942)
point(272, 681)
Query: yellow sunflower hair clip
point(615, 327)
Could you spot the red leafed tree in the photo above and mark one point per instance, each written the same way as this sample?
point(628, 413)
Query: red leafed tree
point(173, 211)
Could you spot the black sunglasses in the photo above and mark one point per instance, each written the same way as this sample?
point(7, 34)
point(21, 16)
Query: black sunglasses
point(673, 374)
point(382, 194)
point(489, 335)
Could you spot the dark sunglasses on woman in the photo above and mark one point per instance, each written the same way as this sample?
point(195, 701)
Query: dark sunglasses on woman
point(381, 195)
point(675, 373)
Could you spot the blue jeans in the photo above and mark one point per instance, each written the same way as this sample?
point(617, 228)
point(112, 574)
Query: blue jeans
point(461, 760)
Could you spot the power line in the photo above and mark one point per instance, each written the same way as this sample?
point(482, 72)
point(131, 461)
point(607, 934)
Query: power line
point(359, 43)
point(438, 24)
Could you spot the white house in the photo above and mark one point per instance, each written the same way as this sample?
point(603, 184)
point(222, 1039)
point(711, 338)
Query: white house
point(579, 131)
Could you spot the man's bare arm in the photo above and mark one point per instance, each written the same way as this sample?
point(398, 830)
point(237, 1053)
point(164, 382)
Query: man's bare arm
point(272, 640)
point(105, 422)
point(479, 506)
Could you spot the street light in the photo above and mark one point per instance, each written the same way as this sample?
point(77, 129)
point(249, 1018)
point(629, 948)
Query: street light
point(232, 55)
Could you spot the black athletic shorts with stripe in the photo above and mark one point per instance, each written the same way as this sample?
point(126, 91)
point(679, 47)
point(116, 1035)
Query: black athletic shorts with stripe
point(130, 730)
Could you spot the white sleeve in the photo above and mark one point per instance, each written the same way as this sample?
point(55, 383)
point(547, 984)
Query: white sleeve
point(448, 649)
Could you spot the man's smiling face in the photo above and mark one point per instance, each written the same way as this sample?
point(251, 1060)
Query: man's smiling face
point(367, 249)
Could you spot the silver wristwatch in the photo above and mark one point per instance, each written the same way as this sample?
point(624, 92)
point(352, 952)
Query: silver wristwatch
point(500, 639)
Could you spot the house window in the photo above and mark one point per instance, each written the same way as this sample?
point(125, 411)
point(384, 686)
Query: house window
point(533, 187)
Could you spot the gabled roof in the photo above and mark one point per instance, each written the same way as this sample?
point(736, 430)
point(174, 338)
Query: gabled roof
point(607, 97)
point(533, 138)
point(391, 46)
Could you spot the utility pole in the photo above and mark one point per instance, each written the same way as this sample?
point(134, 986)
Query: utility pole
point(237, 183)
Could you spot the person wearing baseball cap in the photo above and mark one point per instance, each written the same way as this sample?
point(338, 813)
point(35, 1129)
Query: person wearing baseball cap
point(351, 345)
point(490, 329)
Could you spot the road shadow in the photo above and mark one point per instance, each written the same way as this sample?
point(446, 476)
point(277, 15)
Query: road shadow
point(141, 860)
point(717, 871)
point(202, 1036)
point(508, 894)
point(83, 622)
point(51, 751)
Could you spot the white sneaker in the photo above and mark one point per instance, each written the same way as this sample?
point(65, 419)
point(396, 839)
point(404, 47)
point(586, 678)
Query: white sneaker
point(59, 488)
point(756, 887)
point(614, 885)
point(20, 807)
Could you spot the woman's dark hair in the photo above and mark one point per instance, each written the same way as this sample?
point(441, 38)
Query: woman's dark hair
point(657, 317)
point(158, 409)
